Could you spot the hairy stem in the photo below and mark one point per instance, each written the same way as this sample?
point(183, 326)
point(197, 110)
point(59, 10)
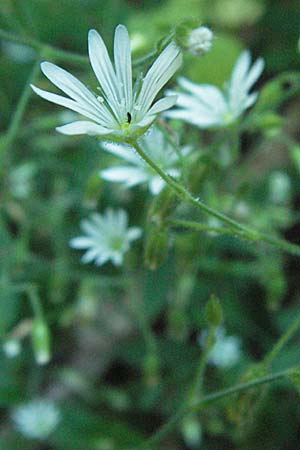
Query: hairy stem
point(237, 228)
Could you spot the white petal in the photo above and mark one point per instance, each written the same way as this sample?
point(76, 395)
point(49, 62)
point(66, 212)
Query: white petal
point(250, 100)
point(158, 75)
point(131, 176)
point(104, 71)
point(117, 258)
point(81, 242)
point(134, 233)
point(195, 118)
point(209, 95)
point(67, 103)
point(68, 84)
point(254, 73)
point(83, 127)
point(143, 124)
point(122, 56)
point(156, 185)
point(240, 69)
point(90, 255)
point(163, 104)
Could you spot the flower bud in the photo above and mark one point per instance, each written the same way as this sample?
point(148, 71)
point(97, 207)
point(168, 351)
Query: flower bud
point(193, 37)
point(41, 341)
point(200, 40)
point(156, 247)
point(162, 206)
point(213, 312)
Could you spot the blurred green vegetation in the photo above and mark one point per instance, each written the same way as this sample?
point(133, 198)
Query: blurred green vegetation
point(125, 342)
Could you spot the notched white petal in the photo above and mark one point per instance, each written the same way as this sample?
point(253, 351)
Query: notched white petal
point(83, 127)
point(163, 104)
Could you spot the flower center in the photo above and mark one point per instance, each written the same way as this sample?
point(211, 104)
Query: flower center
point(116, 243)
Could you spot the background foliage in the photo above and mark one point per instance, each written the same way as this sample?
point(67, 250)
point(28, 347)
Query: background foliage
point(125, 343)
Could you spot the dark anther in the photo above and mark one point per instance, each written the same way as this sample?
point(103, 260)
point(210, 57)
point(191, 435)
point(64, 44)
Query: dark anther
point(128, 117)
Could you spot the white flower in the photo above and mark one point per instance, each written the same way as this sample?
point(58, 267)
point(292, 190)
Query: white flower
point(226, 350)
point(200, 40)
point(12, 347)
point(107, 237)
point(36, 419)
point(136, 171)
point(279, 187)
point(121, 110)
point(207, 106)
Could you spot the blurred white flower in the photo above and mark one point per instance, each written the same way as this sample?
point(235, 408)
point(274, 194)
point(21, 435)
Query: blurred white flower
point(107, 237)
point(21, 178)
point(12, 347)
point(206, 105)
point(226, 350)
point(191, 430)
point(36, 419)
point(200, 40)
point(120, 110)
point(279, 187)
point(136, 171)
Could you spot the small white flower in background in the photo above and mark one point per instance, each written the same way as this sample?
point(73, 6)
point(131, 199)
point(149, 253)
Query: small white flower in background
point(200, 40)
point(21, 180)
point(192, 432)
point(279, 187)
point(120, 110)
point(12, 347)
point(107, 237)
point(226, 351)
point(136, 171)
point(36, 419)
point(205, 105)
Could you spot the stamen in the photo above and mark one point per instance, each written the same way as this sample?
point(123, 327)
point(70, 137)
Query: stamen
point(128, 117)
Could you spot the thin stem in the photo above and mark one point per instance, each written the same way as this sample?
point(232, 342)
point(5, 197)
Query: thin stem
point(44, 49)
point(15, 123)
point(206, 400)
point(282, 341)
point(195, 226)
point(240, 230)
point(153, 53)
point(196, 389)
point(34, 299)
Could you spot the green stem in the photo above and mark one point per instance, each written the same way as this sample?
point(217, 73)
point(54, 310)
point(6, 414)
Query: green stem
point(196, 389)
point(34, 299)
point(15, 123)
point(44, 49)
point(206, 400)
point(199, 226)
point(282, 341)
point(238, 229)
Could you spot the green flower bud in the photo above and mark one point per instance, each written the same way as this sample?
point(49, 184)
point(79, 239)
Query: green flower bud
point(156, 247)
point(41, 341)
point(213, 312)
point(162, 206)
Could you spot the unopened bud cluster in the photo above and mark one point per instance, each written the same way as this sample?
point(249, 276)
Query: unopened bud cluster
point(193, 37)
